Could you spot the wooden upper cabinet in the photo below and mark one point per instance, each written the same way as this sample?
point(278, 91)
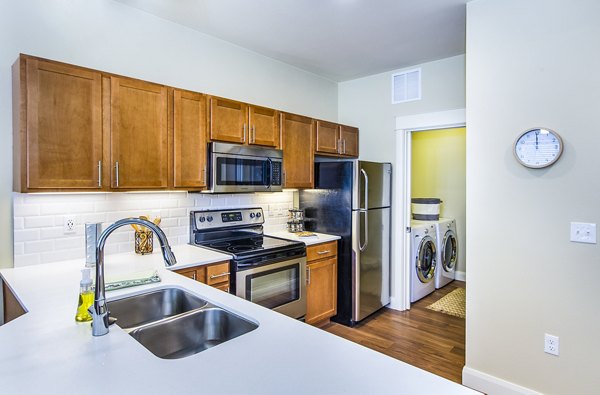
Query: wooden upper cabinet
point(189, 139)
point(297, 143)
point(228, 120)
point(327, 137)
point(138, 134)
point(264, 126)
point(349, 140)
point(336, 140)
point(58, 126)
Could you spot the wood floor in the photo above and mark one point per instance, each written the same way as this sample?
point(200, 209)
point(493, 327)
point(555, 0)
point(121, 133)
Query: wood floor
point(421, 337)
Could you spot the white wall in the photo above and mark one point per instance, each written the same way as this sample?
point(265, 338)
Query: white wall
point(366, 103)
point(532, 63)
point(109, 36)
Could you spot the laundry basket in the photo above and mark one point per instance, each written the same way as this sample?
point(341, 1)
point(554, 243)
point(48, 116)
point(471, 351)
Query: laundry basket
point(426, 209)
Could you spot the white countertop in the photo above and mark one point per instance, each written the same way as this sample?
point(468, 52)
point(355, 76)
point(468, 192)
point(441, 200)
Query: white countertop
point(318, 239)
point(46, 351)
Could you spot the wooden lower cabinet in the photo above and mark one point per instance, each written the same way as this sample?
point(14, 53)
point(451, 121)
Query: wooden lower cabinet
point(321, 278)
point(214, 274)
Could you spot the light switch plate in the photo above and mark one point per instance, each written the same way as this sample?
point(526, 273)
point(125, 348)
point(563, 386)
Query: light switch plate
point(582, 232)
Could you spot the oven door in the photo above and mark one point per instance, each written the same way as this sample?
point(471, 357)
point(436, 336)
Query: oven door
point(241, 173)
point(279, 286)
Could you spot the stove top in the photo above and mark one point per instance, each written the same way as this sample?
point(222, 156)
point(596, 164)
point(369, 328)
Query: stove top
point(245, 246)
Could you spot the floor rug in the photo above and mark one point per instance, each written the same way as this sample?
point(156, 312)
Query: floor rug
point(451, 304)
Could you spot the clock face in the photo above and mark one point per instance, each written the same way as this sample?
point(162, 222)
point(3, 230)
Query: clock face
point(537, 148)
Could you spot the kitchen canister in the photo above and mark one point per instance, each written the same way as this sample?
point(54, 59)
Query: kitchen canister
point(426, 209)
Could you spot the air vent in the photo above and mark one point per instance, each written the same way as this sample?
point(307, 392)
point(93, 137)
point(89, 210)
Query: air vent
point(406, 86)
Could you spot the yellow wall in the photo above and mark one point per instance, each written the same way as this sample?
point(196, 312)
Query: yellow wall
point(439, 170)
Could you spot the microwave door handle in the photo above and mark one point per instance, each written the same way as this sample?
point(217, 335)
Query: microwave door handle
point(270, 174)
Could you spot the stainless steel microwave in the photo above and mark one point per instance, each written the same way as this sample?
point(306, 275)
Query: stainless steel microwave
point(235, 168)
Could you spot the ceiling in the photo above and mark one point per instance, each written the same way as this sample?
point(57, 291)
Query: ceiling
point(337, 39)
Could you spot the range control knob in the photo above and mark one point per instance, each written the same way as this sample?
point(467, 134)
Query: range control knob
point(258, 215)
point(201, 219)
point(209, 218)
point(251, 215)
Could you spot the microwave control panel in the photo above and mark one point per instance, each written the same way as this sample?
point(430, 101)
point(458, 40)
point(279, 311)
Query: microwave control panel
point(276, 180)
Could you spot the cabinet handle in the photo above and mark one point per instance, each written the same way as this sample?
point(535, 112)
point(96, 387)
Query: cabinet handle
point(253, 134)
point(100, 173)
point(204, 175)
point(344, 146)
point(194, 276)
point(244, 134)
point(284, 178)
point(323, 252)
point(117, 173)
point(308, 275)
point(219, 275)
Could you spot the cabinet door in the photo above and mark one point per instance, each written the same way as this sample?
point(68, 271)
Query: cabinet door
point(228, 120)
point(349, 139)
point(264, 126)
point(321, 291)
point(327, 137)
point(297, 142)
point(189, 139)
point(61, 146)
point(138, 134)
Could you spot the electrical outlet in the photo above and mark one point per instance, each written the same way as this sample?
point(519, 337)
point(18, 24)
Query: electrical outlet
point(551, 344)
point(69, 224)
point(583, 232)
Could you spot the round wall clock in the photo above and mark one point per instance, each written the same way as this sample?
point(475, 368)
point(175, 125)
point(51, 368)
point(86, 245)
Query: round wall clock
point(538, 148)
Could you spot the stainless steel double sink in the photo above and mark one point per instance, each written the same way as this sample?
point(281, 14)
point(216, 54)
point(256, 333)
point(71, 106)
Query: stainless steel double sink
point(172, 323)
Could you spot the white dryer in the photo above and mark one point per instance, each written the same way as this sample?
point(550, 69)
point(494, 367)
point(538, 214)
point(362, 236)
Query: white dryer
point(447, 251)
point(423, 259)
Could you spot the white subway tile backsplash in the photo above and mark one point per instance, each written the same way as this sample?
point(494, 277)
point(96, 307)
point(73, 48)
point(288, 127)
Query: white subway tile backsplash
point(19, 223)
point(63, 255)
point(22, 210)
point(53, 233)
point(39, 222)
point(19, 248)
point(178, 212)
point(39, 246)
point(39, 235)
point(27, 259)
point(27, 235)
point(69, 243)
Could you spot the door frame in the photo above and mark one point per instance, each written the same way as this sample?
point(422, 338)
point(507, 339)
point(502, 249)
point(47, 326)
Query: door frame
point(405, 126)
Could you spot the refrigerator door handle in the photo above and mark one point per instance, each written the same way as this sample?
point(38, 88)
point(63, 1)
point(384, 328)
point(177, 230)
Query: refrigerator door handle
point(366, 190)
point(363, 247)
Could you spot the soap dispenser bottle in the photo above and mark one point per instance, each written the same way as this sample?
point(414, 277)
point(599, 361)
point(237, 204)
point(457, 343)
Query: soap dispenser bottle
point(86, 297)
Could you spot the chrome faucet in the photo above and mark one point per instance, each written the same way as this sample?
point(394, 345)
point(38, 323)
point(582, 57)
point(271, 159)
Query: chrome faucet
point(99, 312)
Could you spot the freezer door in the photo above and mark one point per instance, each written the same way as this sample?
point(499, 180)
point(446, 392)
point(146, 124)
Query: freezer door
point(370, 261)
point(372, 185)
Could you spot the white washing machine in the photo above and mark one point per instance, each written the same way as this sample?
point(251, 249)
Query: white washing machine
point(447, 251)
point(423, 259)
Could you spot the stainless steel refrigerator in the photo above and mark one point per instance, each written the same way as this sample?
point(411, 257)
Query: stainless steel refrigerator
point(352, 199)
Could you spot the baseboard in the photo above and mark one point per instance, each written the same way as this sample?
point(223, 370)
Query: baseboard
point(492, 385)
point(460, 276)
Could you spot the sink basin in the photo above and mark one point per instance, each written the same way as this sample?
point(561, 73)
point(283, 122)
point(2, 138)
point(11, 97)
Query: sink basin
point(153, 306)
point(173, 323)
point(192, 333)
